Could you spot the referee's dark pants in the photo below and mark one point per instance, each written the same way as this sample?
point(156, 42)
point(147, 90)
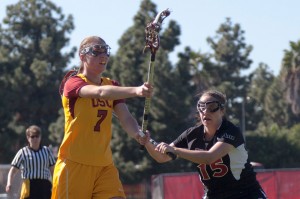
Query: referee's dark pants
point(36, 189)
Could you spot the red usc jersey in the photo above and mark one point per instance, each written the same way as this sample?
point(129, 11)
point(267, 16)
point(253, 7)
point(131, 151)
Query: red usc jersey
point(87, 124)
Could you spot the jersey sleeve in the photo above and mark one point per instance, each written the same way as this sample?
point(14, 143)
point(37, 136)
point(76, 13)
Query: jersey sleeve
point(17, 161)
point(231, 135)
point(182, 140)
point(73, 86)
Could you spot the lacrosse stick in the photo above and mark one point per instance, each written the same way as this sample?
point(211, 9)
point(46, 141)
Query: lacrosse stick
point(152, 43)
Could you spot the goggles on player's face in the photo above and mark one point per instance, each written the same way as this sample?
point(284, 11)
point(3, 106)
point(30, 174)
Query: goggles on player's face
point(96, 50)
point(210, 106)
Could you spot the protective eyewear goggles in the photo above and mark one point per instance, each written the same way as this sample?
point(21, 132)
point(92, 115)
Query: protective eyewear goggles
point(96, 50)
point(210, 106)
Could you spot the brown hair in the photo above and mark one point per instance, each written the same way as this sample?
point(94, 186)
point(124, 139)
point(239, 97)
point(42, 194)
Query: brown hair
point(85, 43)
point(33, 129)
point(219, 96)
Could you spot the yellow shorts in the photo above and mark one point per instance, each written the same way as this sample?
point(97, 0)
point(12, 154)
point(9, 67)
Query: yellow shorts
point(72, 180)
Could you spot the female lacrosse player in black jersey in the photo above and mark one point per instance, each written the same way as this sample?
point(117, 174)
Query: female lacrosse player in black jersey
point(217, 148)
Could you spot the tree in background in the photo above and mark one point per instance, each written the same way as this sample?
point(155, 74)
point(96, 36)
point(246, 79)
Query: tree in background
point(281, 101)
point(290, 73)
point(222, 68)
point(277, 124)
point(31, 66)
point(274, 146)
point(276, 107)
point(255, 109)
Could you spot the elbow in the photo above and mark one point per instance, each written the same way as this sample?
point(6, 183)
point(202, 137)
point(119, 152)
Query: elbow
point(160, 161)
point(163, 159)
point(208, 161)
point(157, 159)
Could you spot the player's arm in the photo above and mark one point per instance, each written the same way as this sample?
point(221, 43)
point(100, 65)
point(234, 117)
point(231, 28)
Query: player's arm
point(219, 150)
point(127, 121)
point(156, 154)
point(11, 175)
point(112, 92)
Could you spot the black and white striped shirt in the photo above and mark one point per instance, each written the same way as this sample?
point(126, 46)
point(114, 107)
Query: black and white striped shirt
point(34, 164)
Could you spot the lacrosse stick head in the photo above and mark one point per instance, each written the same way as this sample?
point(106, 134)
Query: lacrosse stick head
point(152, 30)
point(69, 74)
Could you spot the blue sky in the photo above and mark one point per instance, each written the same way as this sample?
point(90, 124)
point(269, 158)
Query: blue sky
point(269, 25)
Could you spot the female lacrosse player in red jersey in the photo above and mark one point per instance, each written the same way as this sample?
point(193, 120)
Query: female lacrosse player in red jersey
point(85, 168)
point(217, 148)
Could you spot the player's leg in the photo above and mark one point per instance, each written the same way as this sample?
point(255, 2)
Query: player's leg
point(108, 184)
point(72, 180)
point(59, 180)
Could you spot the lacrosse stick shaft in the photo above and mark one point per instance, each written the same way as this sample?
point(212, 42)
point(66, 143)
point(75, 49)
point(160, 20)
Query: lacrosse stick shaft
point(147, 108)
point(148, 99)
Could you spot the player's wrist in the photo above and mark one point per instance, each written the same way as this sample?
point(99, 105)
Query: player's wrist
point(139, 137)
point(136, 137)
point(176, 151)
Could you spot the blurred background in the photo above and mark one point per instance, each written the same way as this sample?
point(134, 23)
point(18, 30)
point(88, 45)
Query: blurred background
point(249, 51)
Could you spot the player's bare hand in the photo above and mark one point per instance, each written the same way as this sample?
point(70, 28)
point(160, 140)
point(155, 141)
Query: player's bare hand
point(142, 140)
point(145, 90)
point(164, 148)
point(8, 188)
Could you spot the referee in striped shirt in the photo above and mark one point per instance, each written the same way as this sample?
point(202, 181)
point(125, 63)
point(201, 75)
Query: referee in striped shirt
point(36, 163)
